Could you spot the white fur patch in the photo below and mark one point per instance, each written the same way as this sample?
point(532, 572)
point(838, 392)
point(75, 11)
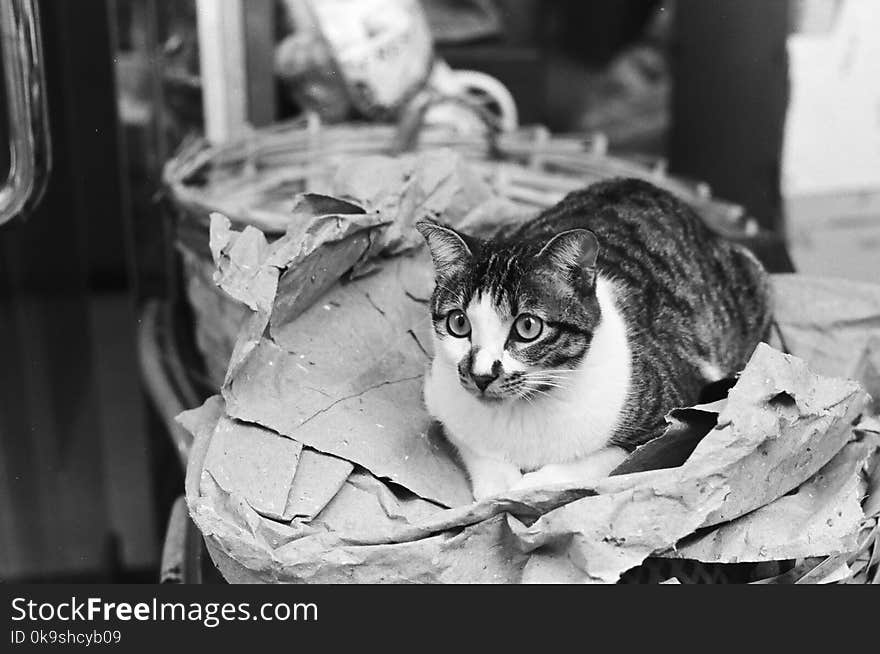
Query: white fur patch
point(572, 423)
point(488, 334)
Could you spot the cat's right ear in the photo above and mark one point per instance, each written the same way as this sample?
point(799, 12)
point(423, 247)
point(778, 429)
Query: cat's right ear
point(448, 248)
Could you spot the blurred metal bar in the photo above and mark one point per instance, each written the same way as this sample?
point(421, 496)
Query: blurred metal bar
point(223, 69)
point(29, 145)
point(166, 399)
point(259, 25)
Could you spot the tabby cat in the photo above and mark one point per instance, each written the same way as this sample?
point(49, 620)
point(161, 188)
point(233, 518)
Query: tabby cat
point(560, 346)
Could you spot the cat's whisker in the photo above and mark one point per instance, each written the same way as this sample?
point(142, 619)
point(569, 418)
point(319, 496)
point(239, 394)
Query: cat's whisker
point(550, 384)
point(558, 383)
point(550, 389)
point(543, 376)
point(525, 397)
point(548, 378)
point(546, 374)
point(544, 386)
point(539, 391)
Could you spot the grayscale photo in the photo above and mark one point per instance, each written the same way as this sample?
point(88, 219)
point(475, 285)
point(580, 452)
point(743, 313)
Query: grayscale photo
point(435, 292)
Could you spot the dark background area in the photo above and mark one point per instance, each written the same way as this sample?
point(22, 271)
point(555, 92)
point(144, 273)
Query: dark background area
point(80, 460)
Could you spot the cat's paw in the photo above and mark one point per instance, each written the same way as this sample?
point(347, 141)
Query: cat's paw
point(588, 470)
point(542, 477)
point(494, 480)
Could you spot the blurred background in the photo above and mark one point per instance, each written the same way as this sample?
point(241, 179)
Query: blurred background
point(773, 106)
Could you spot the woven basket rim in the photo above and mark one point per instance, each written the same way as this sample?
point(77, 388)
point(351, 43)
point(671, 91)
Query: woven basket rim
point(536, 166)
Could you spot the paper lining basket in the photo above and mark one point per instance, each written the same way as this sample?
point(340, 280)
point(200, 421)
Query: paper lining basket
point(252, 182)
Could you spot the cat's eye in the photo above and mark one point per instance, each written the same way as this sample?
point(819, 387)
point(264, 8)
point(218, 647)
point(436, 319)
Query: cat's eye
point(528, 327)
point(458, 324)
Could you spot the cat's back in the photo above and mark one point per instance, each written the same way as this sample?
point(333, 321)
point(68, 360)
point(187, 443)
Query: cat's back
point(623, 211)
point(650, 240)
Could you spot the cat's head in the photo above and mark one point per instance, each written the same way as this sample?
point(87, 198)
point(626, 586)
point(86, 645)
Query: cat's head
point(514, 318)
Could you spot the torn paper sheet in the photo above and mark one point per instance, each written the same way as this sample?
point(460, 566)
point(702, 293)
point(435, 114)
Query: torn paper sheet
point(404, 189)
point(823, 516)
point(248, 266)
point(685, 429)
point(240, 260)
point(781, 423)
point(346, 379)
point(318, 478)
point(825, 321)
point(867, 372)
point(254, 463)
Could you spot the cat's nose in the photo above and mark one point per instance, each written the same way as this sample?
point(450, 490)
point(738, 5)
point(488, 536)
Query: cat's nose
point(483, 381)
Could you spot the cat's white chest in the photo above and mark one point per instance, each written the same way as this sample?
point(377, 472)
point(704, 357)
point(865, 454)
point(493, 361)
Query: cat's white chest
point(573, 422)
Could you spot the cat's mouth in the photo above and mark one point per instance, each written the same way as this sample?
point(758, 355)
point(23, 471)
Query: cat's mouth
point(496, 396)
point(488, 399)
point(488, 395)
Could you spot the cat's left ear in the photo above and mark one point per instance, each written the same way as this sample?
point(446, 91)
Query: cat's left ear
point(574, 250)
point(448, 249)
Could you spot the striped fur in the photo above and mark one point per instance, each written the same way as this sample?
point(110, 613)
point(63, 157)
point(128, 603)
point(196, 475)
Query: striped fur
point(690, 309)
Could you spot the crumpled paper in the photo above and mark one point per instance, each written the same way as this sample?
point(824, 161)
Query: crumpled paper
point(346, 387)
point(832, 323)
point(822, 516)
point(318, 463)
